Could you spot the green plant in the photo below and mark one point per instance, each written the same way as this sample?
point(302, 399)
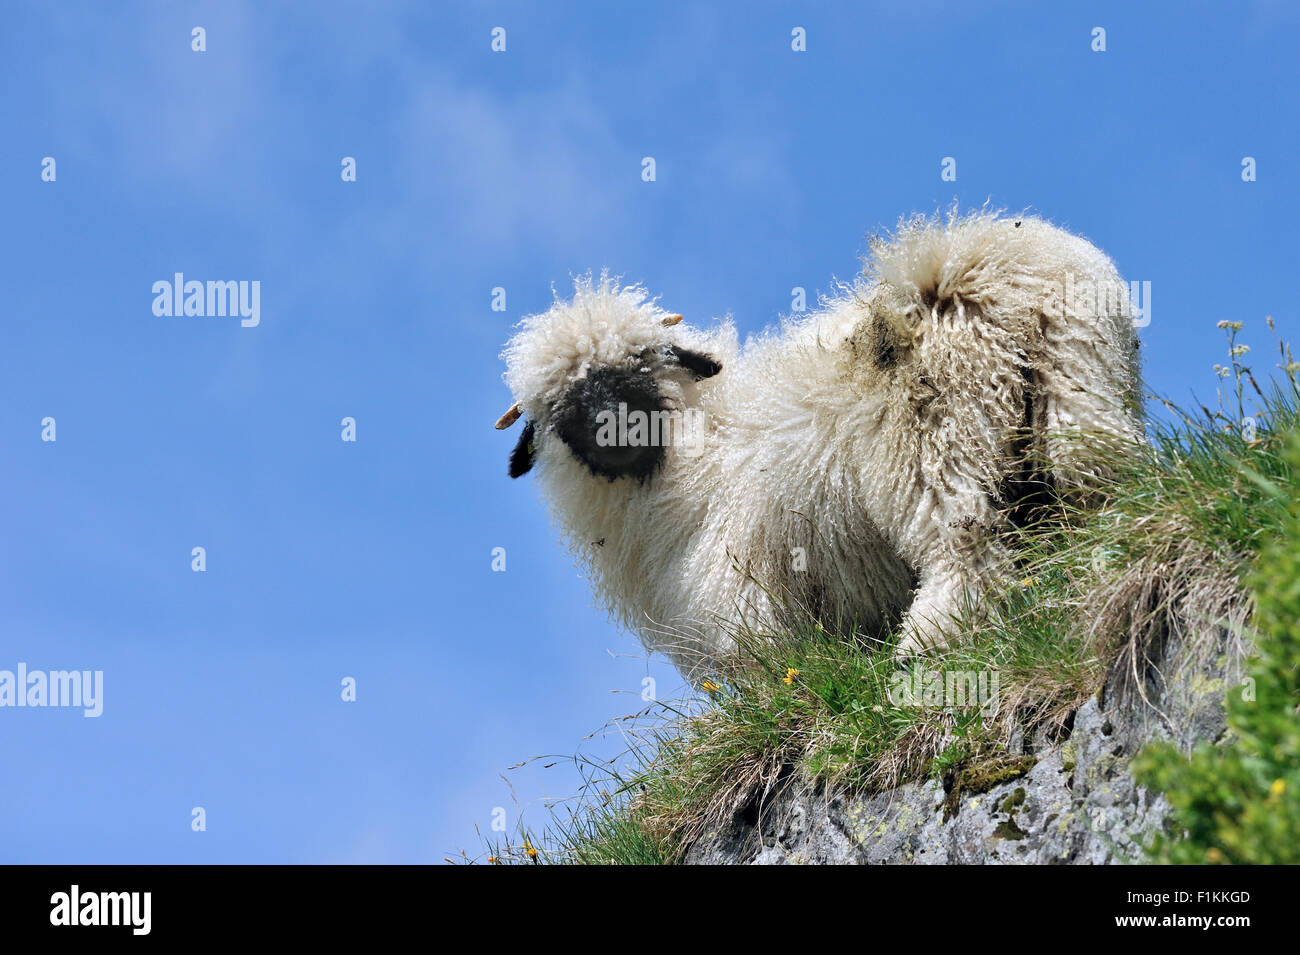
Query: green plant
point(1240, 802)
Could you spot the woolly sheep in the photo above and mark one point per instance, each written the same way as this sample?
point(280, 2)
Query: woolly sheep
point(860, 463)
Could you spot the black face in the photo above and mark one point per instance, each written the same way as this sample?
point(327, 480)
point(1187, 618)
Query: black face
point(583, 420)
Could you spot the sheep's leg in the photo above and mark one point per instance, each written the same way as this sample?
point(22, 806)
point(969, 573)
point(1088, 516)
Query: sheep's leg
point(1087, 375)
point(1084, 427)
point(938, 601)
point(951, 585)
point(949, 527)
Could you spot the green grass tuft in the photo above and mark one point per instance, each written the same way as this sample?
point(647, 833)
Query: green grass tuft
point(1240, 803)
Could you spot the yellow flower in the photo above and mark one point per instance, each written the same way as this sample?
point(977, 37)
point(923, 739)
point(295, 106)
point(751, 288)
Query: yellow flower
point(710, 687)
point(529, 850)
point(1029, 582)
point(790, 674)
point(1213, 855)
point(493, 860)
point(1278, 787)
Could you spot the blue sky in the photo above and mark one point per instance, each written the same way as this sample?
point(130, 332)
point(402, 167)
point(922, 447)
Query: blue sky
point(478, 170)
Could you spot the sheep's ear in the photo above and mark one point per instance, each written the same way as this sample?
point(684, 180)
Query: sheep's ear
point(521, 458)
point(697, 363)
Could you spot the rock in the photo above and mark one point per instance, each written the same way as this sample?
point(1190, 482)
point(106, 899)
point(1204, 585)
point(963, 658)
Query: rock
point(1069, 800)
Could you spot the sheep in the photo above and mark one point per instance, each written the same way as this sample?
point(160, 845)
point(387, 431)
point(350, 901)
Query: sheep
point(861, 464)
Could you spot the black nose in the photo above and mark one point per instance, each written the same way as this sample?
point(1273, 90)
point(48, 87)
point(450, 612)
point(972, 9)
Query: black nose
point(597, 418)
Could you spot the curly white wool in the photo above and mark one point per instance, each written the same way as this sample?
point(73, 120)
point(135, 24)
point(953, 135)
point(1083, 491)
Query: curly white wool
point(856, 461)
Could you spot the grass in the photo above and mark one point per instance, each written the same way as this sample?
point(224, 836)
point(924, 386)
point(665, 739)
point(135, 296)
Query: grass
point(1240, 803)
point(1165, 549)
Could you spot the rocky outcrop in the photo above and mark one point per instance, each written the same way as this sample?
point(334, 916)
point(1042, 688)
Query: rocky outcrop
point(1071, 800)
